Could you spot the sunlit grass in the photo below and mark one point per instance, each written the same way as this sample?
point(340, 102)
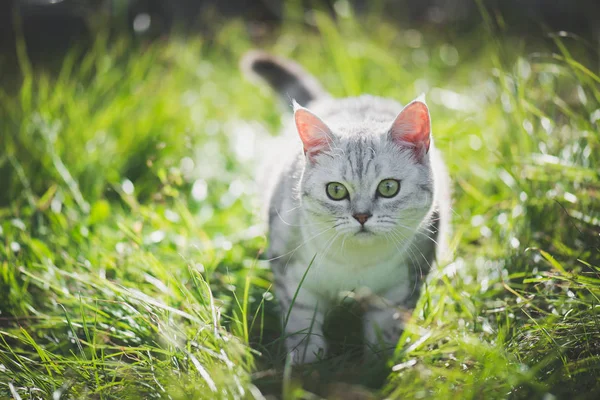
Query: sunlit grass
point(131, 237)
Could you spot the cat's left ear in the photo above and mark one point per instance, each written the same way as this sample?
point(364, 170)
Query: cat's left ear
point(412, 127)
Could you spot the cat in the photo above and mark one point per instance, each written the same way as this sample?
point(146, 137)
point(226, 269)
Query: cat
point(359, 205)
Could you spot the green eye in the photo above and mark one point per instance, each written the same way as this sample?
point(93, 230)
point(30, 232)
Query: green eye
point(388, 188)
point(336, 191)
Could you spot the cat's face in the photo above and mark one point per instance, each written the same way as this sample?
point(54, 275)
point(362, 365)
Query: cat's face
point(369, 185)
point(367, 189)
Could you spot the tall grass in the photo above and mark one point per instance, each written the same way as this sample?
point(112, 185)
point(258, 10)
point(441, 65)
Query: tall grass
point(131, 236)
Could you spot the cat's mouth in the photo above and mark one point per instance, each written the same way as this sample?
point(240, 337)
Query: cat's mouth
point(364, 232)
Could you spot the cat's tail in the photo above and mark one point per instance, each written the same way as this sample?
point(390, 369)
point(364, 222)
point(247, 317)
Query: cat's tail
point(287, 78)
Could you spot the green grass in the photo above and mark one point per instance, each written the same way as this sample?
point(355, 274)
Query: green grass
point(130, 232)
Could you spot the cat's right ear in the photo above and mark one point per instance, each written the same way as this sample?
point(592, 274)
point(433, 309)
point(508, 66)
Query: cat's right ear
point(314, 133)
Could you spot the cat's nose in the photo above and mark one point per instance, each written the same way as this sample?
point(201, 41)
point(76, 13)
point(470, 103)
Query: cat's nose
point(362, 218)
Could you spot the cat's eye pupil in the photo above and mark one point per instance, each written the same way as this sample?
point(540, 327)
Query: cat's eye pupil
point(336, 191)
point(388, 188)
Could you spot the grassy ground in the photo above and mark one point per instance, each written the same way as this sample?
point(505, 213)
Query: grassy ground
point(130, 236)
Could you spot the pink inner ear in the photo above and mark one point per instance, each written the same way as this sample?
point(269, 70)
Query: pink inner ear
point(413, 126)
point(315, 135)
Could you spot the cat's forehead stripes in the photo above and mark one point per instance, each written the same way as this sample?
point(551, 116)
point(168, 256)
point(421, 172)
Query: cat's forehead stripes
point(360, 164)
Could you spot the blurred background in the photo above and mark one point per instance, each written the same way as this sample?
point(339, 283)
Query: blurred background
point(130, 219)
point(52, 26)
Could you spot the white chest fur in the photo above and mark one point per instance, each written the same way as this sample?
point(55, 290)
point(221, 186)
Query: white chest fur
point(337, 266)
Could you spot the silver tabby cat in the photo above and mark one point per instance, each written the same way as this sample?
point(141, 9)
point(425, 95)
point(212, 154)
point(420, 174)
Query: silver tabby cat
point(358, 206)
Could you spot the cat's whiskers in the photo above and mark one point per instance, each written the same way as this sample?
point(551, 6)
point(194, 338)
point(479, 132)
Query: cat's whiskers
point(291, 253)
point(304, 243)
point(428, 220)
point(327, 221)
point(412, 229)
point(328, 245)
point(330, 241)
point(344, 221)
point(402, 240)
point(396, 219)
point(292, 209)
point(421, 276)
point(411, 243)
point(344, 242)
point(411, 255)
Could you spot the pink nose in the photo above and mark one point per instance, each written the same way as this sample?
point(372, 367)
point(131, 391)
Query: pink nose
point(362, 218)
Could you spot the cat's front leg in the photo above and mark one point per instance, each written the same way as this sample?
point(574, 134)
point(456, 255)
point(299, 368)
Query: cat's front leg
point(384, 320)
point(303, 323)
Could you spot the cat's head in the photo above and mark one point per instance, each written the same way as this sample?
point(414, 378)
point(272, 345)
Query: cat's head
point(369, 182)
